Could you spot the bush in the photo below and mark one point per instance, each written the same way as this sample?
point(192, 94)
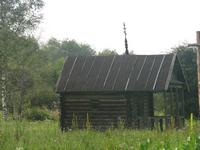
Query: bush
point(43, 98)
point(37, 114)
point(55, 115)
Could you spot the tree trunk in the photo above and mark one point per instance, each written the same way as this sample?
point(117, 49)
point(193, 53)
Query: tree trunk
point(3, 96)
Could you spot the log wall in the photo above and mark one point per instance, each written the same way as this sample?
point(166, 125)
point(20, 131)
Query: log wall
point(104, 111)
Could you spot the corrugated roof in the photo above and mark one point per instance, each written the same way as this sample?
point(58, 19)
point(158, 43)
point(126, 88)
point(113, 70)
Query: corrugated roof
point(116, 73)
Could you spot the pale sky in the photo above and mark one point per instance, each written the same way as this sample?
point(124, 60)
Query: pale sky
point(153, 26)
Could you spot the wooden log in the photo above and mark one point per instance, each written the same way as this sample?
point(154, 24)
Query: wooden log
point(62, 119)
point(183, 102)
point(171, 102)
point(112, 97)
point(198, 65)
point(128, 112)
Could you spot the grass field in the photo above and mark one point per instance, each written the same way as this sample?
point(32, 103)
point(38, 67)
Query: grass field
point(24, 135)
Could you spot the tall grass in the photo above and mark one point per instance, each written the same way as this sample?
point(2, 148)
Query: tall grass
point(46, 135)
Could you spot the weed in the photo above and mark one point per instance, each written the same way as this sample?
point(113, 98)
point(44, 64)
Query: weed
point(47, 135)
point(121, 123)
point(88, 124)
point(74, 122)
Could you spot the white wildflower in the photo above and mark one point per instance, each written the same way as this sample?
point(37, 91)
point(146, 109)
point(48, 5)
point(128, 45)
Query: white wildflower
point(131, 147)
point(19, 148)
point(148, 140)
point(188, 138)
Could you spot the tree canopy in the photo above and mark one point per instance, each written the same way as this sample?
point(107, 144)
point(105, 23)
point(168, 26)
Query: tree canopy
point(17, 19)
point(107, 52)
point(21, 15)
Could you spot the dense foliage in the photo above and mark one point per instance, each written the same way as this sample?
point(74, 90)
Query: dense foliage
point(17, 19)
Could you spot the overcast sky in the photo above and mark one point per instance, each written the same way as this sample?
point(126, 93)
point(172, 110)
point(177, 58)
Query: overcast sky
point(153, 26)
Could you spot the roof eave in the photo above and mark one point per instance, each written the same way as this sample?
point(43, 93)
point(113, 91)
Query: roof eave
point(170, 72)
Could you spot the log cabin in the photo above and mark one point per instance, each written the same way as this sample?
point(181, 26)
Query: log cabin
point(109, 90)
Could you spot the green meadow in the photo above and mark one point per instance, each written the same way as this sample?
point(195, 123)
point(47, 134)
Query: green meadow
point(46, 135)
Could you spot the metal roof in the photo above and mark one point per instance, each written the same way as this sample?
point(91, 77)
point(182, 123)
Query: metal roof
point(116, 73)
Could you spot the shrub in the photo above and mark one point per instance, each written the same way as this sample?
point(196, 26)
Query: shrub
point(55, 114)
point(37, 114)
point(44, 98)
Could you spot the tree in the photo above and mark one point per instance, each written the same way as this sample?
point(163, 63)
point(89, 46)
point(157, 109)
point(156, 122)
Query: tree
point(60, 49)
point(20, 16)
point(72, 48)
point(187, 57)
point(20, 71)
point(17, 18)
point(107, 52)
